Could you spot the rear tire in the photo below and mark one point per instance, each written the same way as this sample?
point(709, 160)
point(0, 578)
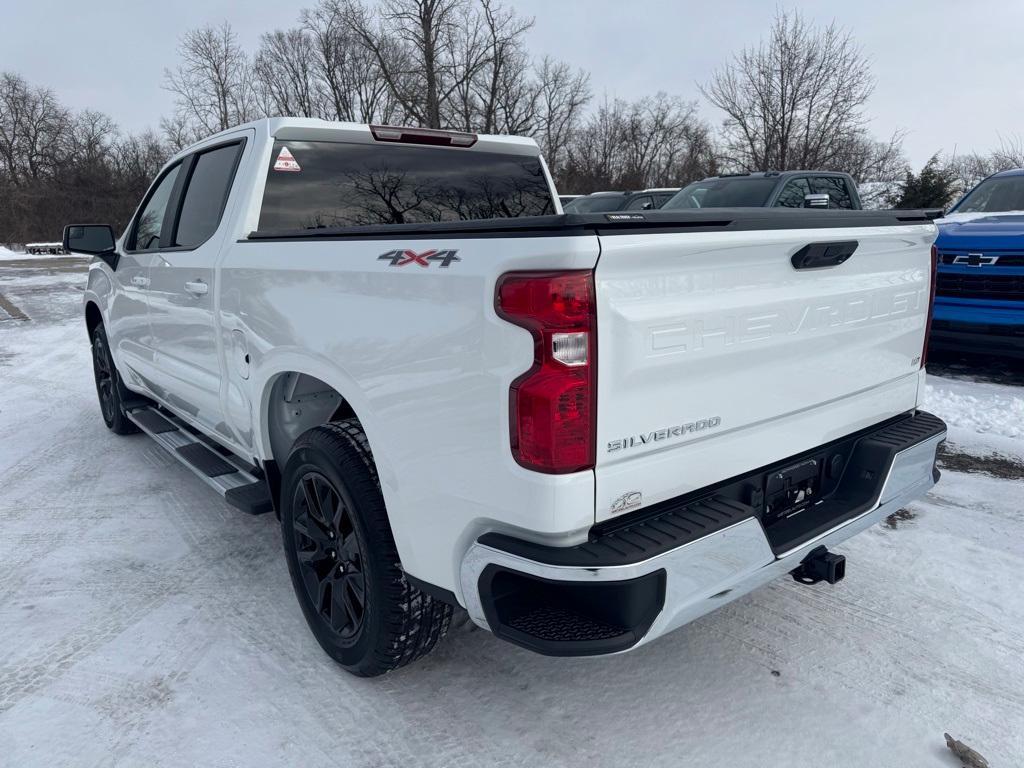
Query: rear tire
point(342, 558)
point(108, 386)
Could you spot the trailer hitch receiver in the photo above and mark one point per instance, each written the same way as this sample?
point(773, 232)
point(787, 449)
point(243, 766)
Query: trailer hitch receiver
point(820, 565)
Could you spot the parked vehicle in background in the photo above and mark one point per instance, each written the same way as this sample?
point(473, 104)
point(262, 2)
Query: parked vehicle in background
point(609, 202)
point(979, 301)
point(586, 429)
point(772, 189)
point(51, 249)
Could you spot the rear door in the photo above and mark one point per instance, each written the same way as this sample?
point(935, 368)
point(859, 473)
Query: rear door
point(182, 291)
point(717, 356)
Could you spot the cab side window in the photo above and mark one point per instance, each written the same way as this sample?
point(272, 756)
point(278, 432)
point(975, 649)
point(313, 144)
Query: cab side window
point(145, 234)
point(206, 195)
point(792, 195)
point(837, 190)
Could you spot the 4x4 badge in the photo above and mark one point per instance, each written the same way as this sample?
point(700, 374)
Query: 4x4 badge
point(402, 257)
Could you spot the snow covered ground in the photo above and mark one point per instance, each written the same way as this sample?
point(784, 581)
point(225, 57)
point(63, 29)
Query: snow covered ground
point(6, 254)
point(145, 623)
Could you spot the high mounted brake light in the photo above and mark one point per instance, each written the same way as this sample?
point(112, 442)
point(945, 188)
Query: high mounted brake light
point(422, 136)
point(552, 407)
point(934, 278)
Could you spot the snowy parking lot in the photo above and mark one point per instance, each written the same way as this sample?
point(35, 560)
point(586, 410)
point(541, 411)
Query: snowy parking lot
point(143, 622)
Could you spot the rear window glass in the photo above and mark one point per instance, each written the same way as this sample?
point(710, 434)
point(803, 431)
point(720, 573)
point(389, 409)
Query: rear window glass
point(314, 184)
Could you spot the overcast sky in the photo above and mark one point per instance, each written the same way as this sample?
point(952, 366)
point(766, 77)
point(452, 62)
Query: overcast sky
point(950, 74)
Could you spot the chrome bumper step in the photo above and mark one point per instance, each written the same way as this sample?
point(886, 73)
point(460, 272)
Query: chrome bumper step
point(234, 479)
point(654, 572)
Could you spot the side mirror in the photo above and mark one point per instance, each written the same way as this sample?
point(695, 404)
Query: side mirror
point(816, 201)
point(91, 240)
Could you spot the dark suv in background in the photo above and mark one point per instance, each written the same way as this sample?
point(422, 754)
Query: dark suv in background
point(772, 189)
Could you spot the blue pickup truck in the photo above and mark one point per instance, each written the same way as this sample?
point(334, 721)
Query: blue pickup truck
point(979, 293)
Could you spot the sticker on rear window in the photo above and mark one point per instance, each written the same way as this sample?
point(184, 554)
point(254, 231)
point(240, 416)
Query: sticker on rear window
point(286, 161)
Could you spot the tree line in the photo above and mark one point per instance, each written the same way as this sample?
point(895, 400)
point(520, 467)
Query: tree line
point(797, 99)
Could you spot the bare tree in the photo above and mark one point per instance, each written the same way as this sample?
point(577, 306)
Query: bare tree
point(426, 51)
point(56, 165)
point(34, 130)
point(348, 73)
point(1009, 154)
point(795, 101)
point(652, 142)
point(562, 95)
point(970, 168)
point(285, 74)
point(502, 95)
point(213, 83)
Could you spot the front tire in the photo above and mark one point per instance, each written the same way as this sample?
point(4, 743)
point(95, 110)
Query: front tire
point(108, 386)
point(342, 558)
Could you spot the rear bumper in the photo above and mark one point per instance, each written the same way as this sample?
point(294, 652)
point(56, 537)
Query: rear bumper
point(624, 589)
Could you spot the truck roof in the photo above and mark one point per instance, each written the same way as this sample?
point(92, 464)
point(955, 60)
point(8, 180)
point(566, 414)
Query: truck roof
point(314, 129)
point(775, 174)
point(1009, 172)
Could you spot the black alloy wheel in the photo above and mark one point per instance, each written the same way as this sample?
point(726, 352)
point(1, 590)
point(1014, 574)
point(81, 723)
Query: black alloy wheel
point(330, 555)
point(342, 557)
point(109, 388)
point(104, 377)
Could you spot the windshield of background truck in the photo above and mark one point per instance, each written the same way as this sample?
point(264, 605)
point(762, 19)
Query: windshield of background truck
point(594, 204)
point(1005, 193)
point(738, 192)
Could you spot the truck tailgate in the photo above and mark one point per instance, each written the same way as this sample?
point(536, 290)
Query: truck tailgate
point(717, 356)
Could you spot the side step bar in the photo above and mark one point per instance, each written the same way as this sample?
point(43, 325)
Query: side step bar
point(230, 476)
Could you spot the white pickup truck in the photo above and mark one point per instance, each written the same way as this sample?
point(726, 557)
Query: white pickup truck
point(586, 430)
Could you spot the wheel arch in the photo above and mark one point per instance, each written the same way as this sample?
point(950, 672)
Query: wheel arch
point(298, 394)
point(93, 317)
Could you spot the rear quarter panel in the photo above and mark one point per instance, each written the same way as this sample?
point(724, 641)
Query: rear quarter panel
point(426, 365)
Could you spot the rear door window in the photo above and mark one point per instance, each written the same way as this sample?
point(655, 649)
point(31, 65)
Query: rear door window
point(314, 184)
point(836, 188)
point(206, 194)
point(792, 195)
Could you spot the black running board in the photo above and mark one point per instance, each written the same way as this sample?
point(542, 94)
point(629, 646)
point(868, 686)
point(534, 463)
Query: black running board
point(234, 479)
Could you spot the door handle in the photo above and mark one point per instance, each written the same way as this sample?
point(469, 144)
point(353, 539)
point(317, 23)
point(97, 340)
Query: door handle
point(819, 255)
point(197, 287)
point(140, 282)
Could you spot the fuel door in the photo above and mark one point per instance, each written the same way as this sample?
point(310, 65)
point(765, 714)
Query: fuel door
point(240, 354)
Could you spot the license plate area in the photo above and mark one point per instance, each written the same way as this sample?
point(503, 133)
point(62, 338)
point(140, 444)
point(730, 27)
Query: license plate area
point(791, 490)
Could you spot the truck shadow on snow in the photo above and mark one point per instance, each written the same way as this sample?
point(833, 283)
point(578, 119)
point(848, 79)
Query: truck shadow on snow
point(977, 367)
point(1003, 467)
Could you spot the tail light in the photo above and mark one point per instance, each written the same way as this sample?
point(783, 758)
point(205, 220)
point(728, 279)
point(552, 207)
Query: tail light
point(934, 278)
point(552, 406)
